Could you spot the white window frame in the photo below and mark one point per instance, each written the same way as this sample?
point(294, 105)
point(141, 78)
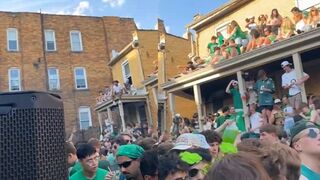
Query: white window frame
point(80, 39)
point(222, 26)
point(9, 79)
point(85, 77)
point(58, 79)
point(306, 4)
point(54, 39)
point(124, 75)
point(85, 109)
point(17, 39)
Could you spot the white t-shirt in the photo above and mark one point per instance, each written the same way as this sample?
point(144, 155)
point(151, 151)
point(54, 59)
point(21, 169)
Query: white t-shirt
point(290, 78)
point(117, 89)
point(300, 25)
point(255, 121)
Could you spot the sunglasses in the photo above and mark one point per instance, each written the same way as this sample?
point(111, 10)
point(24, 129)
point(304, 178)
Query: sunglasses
point(193, 172)
point(312, 133)
point(128, 141)
point(125, 164)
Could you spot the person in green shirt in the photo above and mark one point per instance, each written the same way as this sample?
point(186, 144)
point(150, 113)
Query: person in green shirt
point(305, 138)
point(220, 39)
point(212, 45)
point(88, 158)
point(265, 88)
point(222, 118)
point(238, 35)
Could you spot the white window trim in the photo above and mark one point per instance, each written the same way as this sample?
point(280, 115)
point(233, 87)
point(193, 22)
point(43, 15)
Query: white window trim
point(221, 25)
point(126, 62)
point(85, 109)
point(85, 77)
point(9, 79)
point(17, 37)
point(80, 38)
point(58, 82)
point(54, 39)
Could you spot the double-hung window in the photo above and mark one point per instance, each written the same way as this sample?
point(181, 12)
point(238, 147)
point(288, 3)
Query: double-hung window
point(54, 81)
point(76, 41)
point(50, 39)
point(85, 117)
point(80, 78)
point(14, 79)
point(12, 39)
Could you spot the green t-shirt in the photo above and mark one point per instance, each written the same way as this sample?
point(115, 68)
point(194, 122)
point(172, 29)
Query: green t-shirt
point(220, 40)
point(265, 97)
point(239, 34)
point(308, 173)
point(220, 120)
point(100, 175)
point(76, 167)
point(237, 102)
point(211, 46)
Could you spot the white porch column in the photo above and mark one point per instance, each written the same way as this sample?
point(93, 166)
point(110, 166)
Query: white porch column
point(100, 124)
point(242, 90)
point(172, 104)
point(121, 111)
point(198, 100)
point(299, 70)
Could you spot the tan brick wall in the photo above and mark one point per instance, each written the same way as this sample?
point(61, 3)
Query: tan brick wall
point(97, 37)
point(254, 8)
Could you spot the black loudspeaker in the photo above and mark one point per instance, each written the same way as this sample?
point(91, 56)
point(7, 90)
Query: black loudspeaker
point(32, 137)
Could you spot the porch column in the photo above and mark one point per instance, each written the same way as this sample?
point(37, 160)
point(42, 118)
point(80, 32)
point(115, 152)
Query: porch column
point(172, 104)
point(100, 124)
point(198, 100)
point(299, 70)
point(121, 111)
point(109, 114)
point(242, 90)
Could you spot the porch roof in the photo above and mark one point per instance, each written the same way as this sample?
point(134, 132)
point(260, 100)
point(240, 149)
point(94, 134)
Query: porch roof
point(264, 55)
point(124, 99)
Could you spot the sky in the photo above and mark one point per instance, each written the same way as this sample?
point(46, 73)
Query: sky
point(175, 13)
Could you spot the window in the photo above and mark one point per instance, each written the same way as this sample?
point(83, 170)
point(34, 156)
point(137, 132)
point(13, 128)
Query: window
point(223, 29)
point(14, 79)
point(50, 39)
point(85, 117)
point(76, 42)
point(53, 76)
point(126, 71)
point(305, 4)
point(12, 39)
point(80, 78)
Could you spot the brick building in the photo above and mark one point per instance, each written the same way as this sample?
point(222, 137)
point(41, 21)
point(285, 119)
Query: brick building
point(67, 55)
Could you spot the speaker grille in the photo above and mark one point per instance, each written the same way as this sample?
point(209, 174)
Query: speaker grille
point(32, 144)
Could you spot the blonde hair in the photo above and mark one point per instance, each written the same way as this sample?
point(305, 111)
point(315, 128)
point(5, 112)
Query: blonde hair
point(287, 25)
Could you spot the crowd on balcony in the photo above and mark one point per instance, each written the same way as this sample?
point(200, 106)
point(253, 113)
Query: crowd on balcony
point(116, 91)
point(260, 32)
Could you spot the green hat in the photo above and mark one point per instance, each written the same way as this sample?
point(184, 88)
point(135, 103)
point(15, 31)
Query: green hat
point(132, 151)
point(300, 126)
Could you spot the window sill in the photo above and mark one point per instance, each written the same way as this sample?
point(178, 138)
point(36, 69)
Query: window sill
point(87, 89)
point(53, 51)
point(55, 90)
point(13, 51)
point(77, 52)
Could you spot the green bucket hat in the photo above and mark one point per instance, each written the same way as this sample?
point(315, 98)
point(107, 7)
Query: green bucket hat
point(132, 151)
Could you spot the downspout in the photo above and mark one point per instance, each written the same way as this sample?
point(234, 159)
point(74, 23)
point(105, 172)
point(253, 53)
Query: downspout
point(44, 53)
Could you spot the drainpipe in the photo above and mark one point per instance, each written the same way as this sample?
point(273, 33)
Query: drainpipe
point(44, 52)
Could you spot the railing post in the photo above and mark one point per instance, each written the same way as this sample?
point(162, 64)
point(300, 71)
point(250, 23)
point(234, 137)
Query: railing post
point(242, 90)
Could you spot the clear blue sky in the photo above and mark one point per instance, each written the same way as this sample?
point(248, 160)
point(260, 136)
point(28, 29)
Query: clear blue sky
point(175, 13)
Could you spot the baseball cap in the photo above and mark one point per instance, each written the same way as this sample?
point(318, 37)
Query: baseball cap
point(299, 127)
point(285, 63)
point(189, 140)
point(276, 101)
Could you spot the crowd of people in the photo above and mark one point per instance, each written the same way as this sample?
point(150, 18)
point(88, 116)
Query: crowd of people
point(265, 31)
point(116, 90)
point(281, 141)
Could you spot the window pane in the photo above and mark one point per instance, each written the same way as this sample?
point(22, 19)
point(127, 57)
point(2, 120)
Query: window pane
point(12, 35)
point(81, 83)
point(49, 36)
point(84, 118)
point(75, 40)
point(79, 73)
point(14, 74)
point(50, 45)
point(13, 45)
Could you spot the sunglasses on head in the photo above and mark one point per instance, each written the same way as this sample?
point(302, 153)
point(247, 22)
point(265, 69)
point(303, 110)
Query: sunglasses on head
point(125, 164)
point(313, 133)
